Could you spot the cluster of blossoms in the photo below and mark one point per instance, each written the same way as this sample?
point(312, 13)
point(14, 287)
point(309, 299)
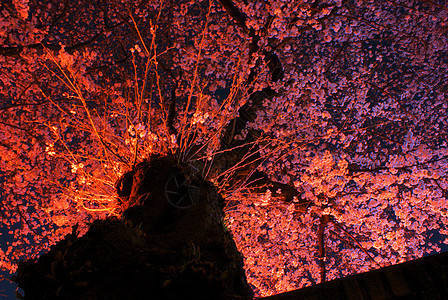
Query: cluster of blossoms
point(356, 123)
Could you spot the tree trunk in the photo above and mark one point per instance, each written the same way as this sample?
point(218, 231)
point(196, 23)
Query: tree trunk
point(171, 243)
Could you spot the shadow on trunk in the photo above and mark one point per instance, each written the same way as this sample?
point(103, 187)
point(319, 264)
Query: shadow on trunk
point(171, 243)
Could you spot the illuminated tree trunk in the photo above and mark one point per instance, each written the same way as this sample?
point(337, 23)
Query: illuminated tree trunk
point(424, 278)
point(171, 243)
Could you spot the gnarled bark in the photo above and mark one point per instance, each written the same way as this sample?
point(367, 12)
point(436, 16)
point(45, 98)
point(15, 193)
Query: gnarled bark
point(171, 243)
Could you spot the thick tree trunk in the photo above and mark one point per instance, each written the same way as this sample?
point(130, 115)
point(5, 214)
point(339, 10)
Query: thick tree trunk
point(171, 243)
point(424, 278)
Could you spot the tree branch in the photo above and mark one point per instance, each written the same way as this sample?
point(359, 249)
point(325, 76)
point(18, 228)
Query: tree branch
point(324, 220)
point(235, 14)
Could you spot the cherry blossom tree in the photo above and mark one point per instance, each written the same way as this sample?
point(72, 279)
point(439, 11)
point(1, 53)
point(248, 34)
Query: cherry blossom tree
point(340, 103)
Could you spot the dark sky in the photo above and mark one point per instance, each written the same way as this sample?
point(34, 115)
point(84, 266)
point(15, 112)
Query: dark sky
point(7, 288)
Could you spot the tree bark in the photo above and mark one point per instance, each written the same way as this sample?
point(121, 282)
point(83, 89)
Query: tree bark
point(171, 243)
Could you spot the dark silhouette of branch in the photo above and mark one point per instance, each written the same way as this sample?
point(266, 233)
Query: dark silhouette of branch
point(235, 14)
point(273, 62)
point(324, 220)
point(357, 243)
point(248, 112)
point(60, 16)
point(28, 131)
point(15, 51)
point(355, 168)
point(444, 191)
point(22, 217)
point(172, 107)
